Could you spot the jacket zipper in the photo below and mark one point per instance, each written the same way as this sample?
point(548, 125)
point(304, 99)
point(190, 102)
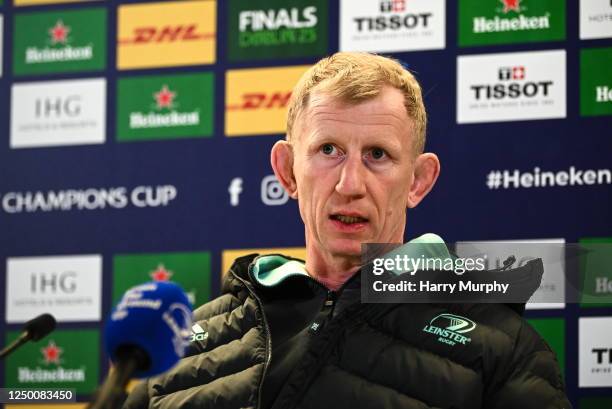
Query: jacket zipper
point(267, 334)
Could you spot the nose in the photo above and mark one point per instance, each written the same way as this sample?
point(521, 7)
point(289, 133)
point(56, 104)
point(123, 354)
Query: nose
point(352, 177)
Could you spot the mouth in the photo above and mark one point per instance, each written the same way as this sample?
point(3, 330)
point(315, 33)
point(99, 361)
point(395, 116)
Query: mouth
point(349, 222)
point(348, 219)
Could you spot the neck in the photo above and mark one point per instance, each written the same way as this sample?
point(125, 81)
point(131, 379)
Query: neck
point(331, 271)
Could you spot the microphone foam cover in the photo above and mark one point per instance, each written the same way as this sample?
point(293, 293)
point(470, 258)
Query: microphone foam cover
point(40, 326)
point(154, 317)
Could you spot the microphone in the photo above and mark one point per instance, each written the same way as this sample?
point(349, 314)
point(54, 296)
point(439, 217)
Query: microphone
point(146, 334)
point(33, 330)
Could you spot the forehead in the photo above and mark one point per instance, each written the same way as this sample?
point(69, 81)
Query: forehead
point(384, 113)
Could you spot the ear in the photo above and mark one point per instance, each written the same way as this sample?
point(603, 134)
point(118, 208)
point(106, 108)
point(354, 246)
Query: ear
point(426, 171)
point(281, 158)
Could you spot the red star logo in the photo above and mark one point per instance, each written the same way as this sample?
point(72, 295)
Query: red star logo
point(399, 5)
point(514, 5)
point(59, 33)
point(161, 274)
point(51, 353)
point(164, 97)
point(518, 73)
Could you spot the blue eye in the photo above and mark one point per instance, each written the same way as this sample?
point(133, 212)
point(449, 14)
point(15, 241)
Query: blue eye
point(328, 149)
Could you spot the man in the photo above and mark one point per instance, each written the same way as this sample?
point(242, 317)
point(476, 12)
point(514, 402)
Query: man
point(285, 334)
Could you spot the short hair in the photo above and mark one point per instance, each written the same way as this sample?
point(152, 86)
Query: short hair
point(354, 77)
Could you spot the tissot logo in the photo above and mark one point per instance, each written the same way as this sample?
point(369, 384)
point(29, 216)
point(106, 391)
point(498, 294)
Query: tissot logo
point(165, 107)
point(162, 34)
point(595, 19)
point(510, 21)
point(392, 6)
point(70, 112)
point(60, 41)
point(392, 25)
point(515, 89)
point(256, 99)
point(513, 86)
point(69, 287)
point(58, 361)
point(603, 356)
point(272, 28)
point(595, 352)
point(450, 329)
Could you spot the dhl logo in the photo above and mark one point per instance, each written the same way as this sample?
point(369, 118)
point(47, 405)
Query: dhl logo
point(146, 39)
point(144, 35)
point(257, 100)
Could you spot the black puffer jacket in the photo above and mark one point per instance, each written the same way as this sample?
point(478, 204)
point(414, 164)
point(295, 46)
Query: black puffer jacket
point(365, 356)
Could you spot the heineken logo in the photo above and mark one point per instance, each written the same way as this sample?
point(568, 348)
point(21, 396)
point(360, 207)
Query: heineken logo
point(511, 85)
point(59, 33)
point(450, 329)
point(67, 359)
point(161, 274)
point(164, 100)
point(58, 37)
point(165, 34)
point(603, 93)
point(51, 355)
point(483, 22)
point(516, 21)
point(60, 41)
point(595, 84)
point(169, 106)
point(603, 285)
point(511, 5)
point(189, 270)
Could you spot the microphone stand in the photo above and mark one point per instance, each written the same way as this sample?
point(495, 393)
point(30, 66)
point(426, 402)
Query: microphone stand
point(22, 339)
point(112, 392)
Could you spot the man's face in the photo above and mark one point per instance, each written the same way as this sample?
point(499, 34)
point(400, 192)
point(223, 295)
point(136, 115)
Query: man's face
point(353, 166)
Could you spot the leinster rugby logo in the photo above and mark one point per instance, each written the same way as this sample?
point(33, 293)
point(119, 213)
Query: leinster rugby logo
point(450, 329)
